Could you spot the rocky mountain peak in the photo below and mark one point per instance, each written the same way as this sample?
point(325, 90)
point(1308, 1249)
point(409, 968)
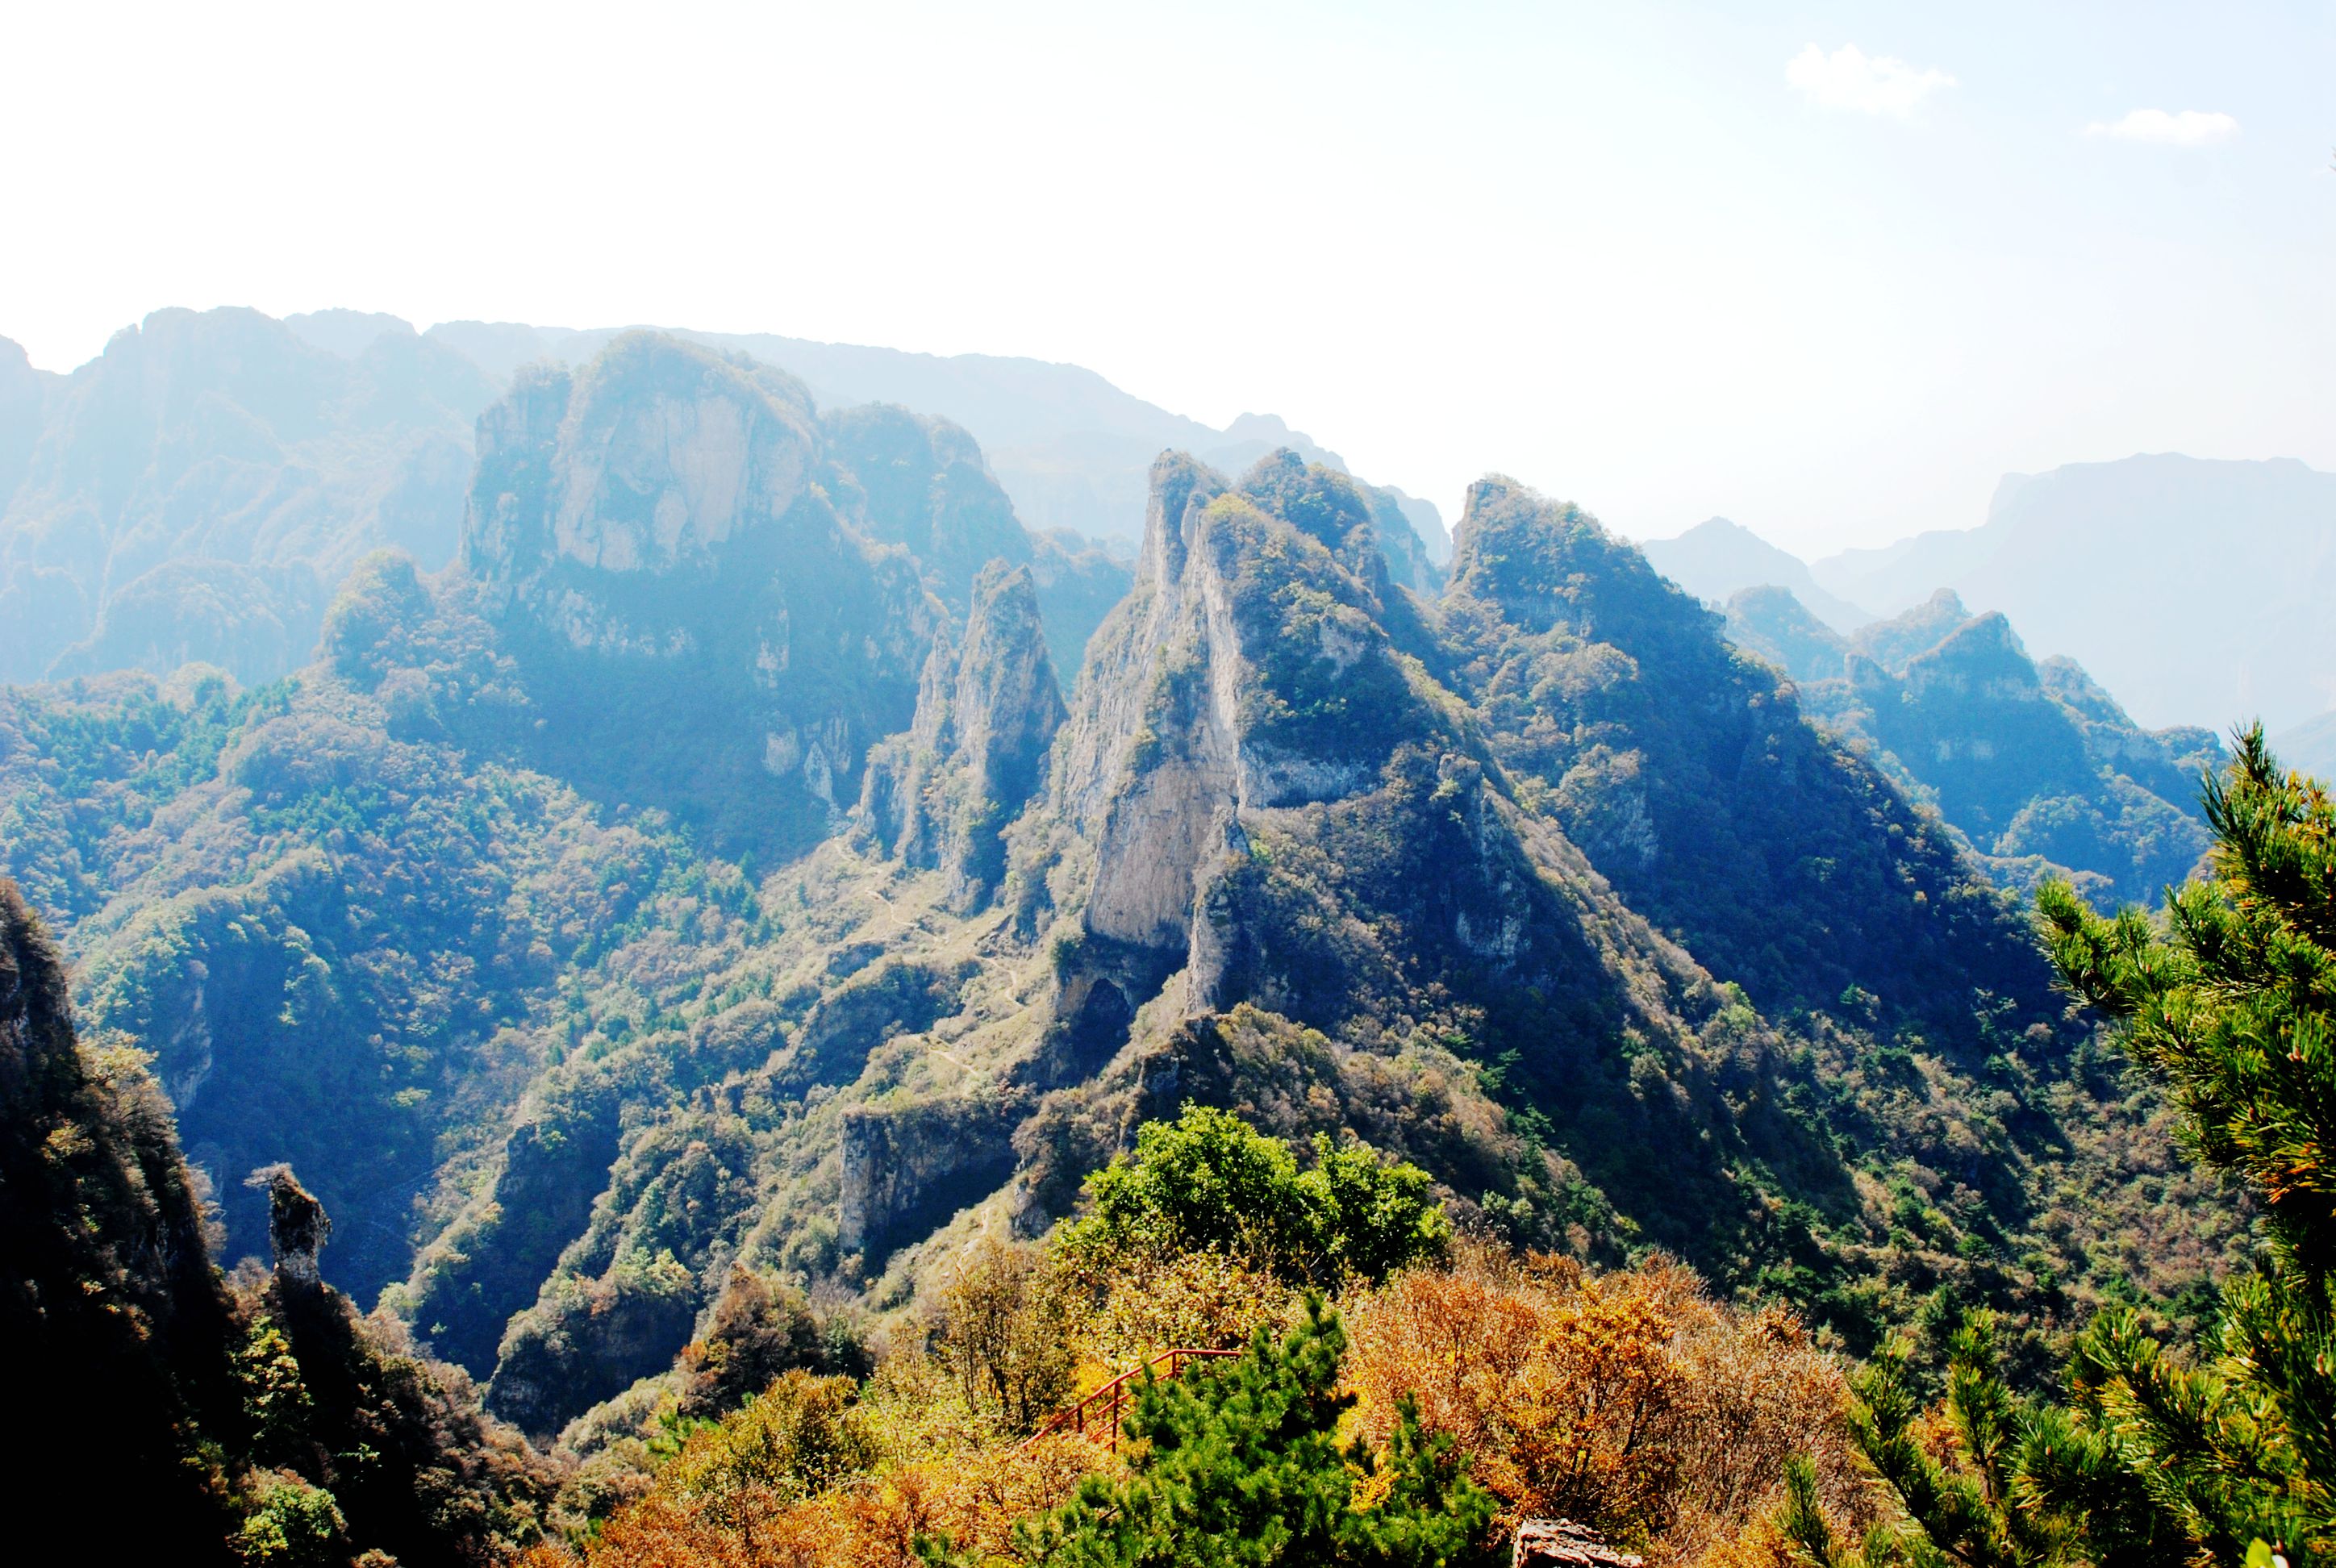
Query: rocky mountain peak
point(987, 708)
point(1249, 671)
point(1981, 654)
point(701, 630)
point(653, 459)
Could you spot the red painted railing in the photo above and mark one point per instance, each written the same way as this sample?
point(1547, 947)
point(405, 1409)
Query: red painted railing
point(1114, 1394)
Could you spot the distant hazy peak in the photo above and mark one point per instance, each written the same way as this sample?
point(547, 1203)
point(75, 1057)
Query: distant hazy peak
point(347, 332)
point(1270, 428)
point(2095, 559)
point(1772, 622)
point(1893, 643)
point(1718, 558)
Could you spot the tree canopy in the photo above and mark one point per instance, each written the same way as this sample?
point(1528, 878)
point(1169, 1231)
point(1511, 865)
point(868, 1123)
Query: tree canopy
point(1210, 1181)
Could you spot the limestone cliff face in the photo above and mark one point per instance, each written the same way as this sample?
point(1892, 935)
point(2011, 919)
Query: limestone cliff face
point(987, 711)
point(704, 630)
point(907, 1168)
point(646, 464)
point(1248, 671)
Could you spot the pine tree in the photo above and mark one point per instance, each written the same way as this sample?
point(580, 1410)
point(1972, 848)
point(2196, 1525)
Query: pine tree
point(2027, 1488)
point(2230, 1000)
point(1239, 1466)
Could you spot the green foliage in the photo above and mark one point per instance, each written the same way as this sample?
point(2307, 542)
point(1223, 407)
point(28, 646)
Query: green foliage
point(2033, 764)
point(2230, 1000)
point(2025, 1487)
point(291, 1525)
point(1210, 1181)
point(259, 1418)
point(1004, 1333)
point(761, 1328)
point(1242, 1465)
point(799, 1436)
point(275, 1401)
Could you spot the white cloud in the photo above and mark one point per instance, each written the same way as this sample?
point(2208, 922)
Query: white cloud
point(2191, 128)
point(1850, 78)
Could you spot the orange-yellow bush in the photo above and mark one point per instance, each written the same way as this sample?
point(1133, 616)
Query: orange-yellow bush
point(872, 1522)
point(1163, 1302)
point(1629, 1400)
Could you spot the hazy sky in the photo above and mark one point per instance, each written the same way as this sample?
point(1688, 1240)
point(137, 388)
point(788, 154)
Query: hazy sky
point(1827, 269)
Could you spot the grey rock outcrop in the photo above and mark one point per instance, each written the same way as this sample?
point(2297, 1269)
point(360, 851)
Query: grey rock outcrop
point(907, 1167)
point(987, 712)
point(701, 629)
point(1248, 671)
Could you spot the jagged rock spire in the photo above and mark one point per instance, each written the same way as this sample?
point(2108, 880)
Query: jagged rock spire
point(987, 708)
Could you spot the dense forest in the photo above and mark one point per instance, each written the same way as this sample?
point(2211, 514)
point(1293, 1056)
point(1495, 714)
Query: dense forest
point(779, 980)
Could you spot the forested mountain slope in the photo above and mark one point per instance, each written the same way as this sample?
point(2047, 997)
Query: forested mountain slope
point(709, 868)
point(2033, 765)
point(184, 1417)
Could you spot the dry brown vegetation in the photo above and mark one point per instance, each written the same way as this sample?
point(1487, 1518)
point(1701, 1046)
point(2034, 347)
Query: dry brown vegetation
point(1630, 1398)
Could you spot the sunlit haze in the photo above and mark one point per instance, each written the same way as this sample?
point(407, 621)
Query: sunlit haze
point(1830, 272)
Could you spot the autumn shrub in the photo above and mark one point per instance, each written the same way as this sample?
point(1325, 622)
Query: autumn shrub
point(761, 1328)
point(875, 1521)
point(1153, 1303)
point(1629, 1400)
point(1003, 1328)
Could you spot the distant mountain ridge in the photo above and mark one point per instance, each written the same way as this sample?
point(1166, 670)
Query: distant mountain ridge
point(2137, 568)
point(2033, 764)
point(2131, 568)
point(1072, 449)
point(1717, 558)
point(199, 491)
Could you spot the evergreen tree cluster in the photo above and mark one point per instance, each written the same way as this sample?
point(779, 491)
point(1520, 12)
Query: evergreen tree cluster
point(2225, 1452)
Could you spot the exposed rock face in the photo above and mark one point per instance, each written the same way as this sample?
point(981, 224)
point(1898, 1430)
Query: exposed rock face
point(1249, 670)
point(647, 463)
point(987, 711)
point(1279, 805)
point(908, 1168)
point(1563, 1544)
point(696, 617)
point(202, 484)
point(297, 1223)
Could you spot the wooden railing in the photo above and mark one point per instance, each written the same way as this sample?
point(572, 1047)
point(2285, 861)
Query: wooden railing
point(1114, 1394)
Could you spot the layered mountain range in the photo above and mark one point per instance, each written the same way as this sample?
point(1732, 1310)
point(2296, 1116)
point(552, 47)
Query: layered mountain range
point(199, 491)
point(2035, 766)
point(709, 866)
point(2121, 566)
